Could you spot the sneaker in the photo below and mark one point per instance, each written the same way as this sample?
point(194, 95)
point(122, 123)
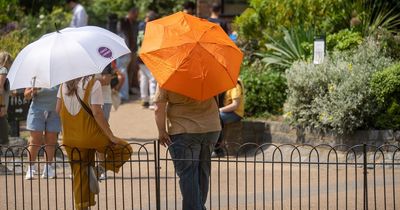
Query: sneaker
point(30, 173)
point(48, 172)
point(93, 183)
point(217, 154)
point(100, 170)
point(145, 104)
point(103, 176)
point(152, 107)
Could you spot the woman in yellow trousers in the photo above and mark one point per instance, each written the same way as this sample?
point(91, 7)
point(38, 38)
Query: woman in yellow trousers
point(86, 131)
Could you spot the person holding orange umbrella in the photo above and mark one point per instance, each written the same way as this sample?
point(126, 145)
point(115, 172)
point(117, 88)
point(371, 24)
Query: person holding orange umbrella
point(193, 60)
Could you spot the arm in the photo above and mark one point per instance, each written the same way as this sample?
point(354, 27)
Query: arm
point(160, 117)
point(58, 106)
point(29, 93)
point(101, 121)
point(121, 80)
point(231, 107)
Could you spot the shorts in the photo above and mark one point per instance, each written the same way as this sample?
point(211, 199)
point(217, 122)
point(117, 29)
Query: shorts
point(42, 120)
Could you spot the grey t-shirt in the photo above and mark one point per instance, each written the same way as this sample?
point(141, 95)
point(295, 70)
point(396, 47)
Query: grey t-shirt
point(6, 95)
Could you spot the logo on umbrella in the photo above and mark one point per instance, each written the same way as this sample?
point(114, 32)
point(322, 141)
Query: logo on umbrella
point(105, 52)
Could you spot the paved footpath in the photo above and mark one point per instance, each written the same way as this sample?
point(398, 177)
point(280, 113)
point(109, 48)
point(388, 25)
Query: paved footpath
point(133, 122)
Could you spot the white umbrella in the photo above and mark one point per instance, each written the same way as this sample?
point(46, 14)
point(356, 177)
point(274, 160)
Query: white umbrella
point(65, 55)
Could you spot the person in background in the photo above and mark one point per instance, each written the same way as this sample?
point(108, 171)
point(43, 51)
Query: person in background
point(231, 110)
point(105, 81)
point(79, 15)
point(43, 123)
point(85, 131)
point(189, 7)
point(193, 130)
point(5, 65)
point(132, 29)
point(123, 62)
point(148, 84)
point(214, 17)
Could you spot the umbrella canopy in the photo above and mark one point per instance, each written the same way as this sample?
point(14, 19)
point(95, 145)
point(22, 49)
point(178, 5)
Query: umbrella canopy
point(190, 56)
point(65, 55)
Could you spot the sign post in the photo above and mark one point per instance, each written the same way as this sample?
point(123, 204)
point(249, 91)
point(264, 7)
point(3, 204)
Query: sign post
point(17, 111)
point(319, 49)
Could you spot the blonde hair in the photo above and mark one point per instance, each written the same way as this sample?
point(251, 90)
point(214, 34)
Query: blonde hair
point(5, 59)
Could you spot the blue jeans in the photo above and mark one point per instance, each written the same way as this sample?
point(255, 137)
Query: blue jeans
point(106, 110)
point(226, 117)
point(191, 154)
point(229, 117)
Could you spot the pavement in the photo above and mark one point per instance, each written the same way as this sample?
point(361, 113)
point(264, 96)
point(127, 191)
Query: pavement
point(133, 122)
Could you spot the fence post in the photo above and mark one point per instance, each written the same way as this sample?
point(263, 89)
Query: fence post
point(365, 172)
point(157, 172)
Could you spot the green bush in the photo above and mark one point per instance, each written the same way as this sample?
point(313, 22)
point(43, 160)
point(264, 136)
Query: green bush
point(31, 28)
point(343, 40)
point(282, 52)
point(265, 90)
point(335, 95)
point(268, 16)
point(386, 89)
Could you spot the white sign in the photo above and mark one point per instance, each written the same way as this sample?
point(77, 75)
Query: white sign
point(319, 51)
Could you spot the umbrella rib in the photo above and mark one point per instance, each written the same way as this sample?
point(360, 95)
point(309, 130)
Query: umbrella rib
point(233, 82)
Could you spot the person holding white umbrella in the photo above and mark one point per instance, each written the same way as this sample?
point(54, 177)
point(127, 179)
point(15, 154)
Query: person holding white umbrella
point(68, 56)
point(43, 123)
point(86, 131)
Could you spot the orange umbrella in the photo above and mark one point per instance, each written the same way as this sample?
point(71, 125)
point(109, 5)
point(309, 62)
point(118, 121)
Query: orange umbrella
point(190, 56)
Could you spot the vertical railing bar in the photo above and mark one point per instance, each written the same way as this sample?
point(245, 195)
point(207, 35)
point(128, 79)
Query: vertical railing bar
point(237, 180)
point(245, 180)
point(255, 178)
point(365, 177)
point(55, 180)
point(393, 181)
point(131, 181)
point(157, 172)
point(384, 179)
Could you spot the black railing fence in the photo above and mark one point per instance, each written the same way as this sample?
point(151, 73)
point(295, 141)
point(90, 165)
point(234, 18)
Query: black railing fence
point(249, 176)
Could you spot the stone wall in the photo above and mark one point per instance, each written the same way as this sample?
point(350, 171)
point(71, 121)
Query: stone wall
point(260, 132)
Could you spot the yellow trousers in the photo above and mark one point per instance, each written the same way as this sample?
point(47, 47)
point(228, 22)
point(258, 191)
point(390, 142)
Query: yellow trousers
point(81, 159)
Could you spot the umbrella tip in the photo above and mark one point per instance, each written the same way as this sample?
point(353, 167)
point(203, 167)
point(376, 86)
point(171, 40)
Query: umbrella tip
point(55, 25)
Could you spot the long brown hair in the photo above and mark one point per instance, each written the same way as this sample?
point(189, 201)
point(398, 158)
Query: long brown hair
point(72, 85)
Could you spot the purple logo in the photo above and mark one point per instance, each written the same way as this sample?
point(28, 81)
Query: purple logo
point(105, 52)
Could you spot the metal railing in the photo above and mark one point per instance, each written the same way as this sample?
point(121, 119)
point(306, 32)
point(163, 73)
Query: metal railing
point(249, 176)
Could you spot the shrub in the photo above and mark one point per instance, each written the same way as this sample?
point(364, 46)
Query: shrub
point(343, 40)
point(335, 95)
point(265, 90)
point(281, 53)
point(267, 16)
point(386, 89)
point(32, 28)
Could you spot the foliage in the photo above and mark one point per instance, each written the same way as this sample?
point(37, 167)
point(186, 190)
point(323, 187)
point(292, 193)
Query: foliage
point(267, 16)
point(371, 15)
point(283, 52)
point(386, 89)
point(99, 10)
point(335, 95)
point(31, 28)
point(390, 42)
point(343, 40)
point(265, 90)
